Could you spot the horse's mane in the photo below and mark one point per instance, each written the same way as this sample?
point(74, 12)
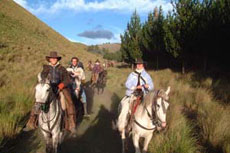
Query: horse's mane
point(148, 99)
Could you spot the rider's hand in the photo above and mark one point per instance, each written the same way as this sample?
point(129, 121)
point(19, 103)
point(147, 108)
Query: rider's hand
point(146, 86)
point(139, 87)
point(61, 86)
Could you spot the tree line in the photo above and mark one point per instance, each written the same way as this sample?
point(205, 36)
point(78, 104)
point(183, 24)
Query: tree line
point(116, 56)
point(193, 35)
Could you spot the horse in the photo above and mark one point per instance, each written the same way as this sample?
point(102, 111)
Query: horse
point(50, 118)
point(150, 115)
point(101, 82)
point(94, 78)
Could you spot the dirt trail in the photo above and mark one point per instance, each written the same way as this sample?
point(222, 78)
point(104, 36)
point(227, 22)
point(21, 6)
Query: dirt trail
point(95, 135)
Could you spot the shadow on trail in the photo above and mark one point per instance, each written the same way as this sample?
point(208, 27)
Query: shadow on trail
point(89, 96)
point(24, 143)
point(99, 138)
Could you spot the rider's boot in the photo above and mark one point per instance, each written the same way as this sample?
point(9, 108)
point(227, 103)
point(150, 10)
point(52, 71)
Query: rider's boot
point(85, 110)
point(32, 123)
point(72, 123)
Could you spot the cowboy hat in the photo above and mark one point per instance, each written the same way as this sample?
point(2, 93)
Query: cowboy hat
point(97, 61)
point(139, 61)
point(53, 54)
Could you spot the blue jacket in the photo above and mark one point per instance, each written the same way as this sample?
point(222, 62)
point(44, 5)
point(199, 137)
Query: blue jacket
point(132, 81)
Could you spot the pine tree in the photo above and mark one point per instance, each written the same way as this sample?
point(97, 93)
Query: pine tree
point(130, 46)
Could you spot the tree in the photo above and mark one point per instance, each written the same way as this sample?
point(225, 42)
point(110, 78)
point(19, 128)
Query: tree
point(130, 47)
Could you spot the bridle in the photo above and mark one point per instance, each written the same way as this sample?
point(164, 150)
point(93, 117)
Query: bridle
point(57, 113)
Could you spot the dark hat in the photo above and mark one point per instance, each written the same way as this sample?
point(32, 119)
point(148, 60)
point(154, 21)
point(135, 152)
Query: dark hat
point(139, 61)
point(53, 54)
point(97, 61)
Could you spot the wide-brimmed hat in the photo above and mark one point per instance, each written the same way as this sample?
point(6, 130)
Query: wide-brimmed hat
point(97, 61)
point(53, 54)
point(139, 61)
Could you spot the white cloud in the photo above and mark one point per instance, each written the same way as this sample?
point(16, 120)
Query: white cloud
point(23, 3)
point(142, 6)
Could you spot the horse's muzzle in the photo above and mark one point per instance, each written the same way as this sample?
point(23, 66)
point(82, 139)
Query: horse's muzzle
point(163, 124)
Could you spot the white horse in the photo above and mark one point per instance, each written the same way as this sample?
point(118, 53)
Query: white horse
point(149, 116)
point(50, 117)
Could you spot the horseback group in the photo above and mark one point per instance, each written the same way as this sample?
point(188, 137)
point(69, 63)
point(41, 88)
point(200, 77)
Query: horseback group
point(141, 111)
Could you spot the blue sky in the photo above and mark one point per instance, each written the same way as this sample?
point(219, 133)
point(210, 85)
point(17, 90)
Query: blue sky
point(91, 21)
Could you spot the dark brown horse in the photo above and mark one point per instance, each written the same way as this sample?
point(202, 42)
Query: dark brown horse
point(101, 82)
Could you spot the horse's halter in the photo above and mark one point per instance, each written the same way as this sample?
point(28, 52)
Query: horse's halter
point(50, 93)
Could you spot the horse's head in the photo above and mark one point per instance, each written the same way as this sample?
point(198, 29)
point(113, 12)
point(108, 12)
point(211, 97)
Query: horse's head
point(42, 90)
point(160, 106)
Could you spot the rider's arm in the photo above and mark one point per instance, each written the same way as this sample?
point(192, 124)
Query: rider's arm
point(65, 78)
point(130, 83)
point(149, 81)
point(45, 71)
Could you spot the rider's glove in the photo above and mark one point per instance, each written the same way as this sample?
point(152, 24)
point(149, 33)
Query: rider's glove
point(61, 86)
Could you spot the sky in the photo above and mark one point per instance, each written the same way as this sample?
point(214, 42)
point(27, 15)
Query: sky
point(91, 21)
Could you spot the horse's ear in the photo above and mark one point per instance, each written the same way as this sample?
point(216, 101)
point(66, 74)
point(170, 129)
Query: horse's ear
point(168, 90)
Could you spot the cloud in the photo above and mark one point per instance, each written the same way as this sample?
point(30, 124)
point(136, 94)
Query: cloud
point(95, 34)
point(23, 3)
point(142, 6)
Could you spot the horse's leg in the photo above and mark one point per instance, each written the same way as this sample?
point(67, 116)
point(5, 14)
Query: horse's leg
point(136, 142)
point(56, 141)
point(123, 140)
point(122, 120)
point(49, 145)
point(146, 143)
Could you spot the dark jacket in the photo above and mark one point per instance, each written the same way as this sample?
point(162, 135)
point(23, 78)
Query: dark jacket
point(56, 75)
point(80, 64)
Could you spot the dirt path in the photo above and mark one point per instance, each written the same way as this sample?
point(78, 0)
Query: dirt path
point(95, 135)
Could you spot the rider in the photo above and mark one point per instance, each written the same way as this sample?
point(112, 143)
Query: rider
point(138, 83)
point(78, 73)
point(59, 80)
point(97, 69)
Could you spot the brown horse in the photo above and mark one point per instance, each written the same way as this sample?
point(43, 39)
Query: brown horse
point(101, 82)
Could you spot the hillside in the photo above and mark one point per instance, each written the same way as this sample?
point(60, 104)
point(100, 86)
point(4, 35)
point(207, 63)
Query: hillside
point(197, 121)
point(24, 43)
point(113, 47)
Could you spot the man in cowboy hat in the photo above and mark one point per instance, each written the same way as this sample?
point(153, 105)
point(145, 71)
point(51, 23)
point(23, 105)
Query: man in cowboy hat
point(138, 83)
point(59, 80)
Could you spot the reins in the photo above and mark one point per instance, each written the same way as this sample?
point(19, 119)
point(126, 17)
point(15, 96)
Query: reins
point(154, 117)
